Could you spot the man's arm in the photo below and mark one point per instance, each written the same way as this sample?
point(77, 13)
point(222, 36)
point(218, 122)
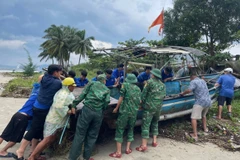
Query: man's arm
point(82, 95)
point(192, 86)
point(122, 94)
point(145, 92)
point(219, 82)
point(107, 100)
point(168, 79)
point(185, 92)
point(118, 104)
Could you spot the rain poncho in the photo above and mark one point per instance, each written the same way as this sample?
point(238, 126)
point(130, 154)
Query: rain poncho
point(57, 115)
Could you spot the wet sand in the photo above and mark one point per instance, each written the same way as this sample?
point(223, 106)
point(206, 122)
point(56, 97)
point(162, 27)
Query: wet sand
point(167, 150)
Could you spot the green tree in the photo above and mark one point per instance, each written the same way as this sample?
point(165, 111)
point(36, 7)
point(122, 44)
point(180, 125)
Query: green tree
point(132, 43)
point(56, 44)
point(156, 43)
point(81, 45)
point(191, 21)
point(29, 68)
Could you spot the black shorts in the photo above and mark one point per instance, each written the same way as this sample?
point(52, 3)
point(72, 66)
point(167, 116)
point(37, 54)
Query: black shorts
point(16, 128)
point(222, 99)
point(36, 129)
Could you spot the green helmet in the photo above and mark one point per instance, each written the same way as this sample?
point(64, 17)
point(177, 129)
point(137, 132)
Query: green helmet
point(156, 72)
point(101, 77)
point(131, 78)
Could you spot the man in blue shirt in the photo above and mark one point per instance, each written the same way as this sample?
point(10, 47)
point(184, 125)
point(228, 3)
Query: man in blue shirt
point(118, 72)
point(49, 85)
point(167, 74)
point(82, 81)
point(98, 73)
point(110, 80)
point(16, 128)
point(144, 76)
point(226, 83)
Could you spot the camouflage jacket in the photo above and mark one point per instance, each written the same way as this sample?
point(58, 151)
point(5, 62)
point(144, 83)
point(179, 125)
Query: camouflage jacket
point(131, 99)
point(96, 95)
point(153, 94)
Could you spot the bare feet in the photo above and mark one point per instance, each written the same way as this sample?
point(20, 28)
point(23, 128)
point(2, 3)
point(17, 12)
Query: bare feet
point(3, 153)
point(191, 136)
point(19, 154)
point(205, 130)
point(194, 137)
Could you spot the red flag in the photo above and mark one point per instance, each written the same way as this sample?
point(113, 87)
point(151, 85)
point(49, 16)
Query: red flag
point(158, 21)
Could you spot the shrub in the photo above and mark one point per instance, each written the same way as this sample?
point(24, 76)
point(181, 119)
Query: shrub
point(29, 67)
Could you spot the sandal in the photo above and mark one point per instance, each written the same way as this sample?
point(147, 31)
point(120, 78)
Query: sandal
point(16, 157)
point(128, 151)
point(190, 136)
point(154, 144)
point(115, 155)
point(141, 148)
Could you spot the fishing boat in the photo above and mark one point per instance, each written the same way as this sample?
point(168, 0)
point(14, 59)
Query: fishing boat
point(174, 105)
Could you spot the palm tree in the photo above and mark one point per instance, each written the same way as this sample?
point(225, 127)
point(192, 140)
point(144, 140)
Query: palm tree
point(81, 45)
point(56, 44)
point(45, 55)
point(69, 32)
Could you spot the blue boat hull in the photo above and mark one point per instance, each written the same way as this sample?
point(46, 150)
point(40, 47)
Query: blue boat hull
point(174, 105)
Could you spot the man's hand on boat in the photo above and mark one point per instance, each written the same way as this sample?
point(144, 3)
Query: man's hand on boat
point(115, 110)
point(185, 92)
point(168, 79)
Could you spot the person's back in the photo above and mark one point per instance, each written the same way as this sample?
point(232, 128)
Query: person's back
point(227, 82)
point(27, 107)
point(59, 108)
point(200, 91)
point(131, 101)
point(153, 94)
point(49, 86)
point(96, 95)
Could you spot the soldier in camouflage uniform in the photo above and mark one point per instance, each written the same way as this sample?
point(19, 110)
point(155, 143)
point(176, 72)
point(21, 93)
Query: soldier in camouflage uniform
point(129, 103)
point(152, 98)
point(97, 98)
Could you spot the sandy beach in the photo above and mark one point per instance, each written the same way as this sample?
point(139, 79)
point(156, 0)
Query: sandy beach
point(167, 150)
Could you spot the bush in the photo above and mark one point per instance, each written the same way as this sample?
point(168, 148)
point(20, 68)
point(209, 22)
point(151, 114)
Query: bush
point(29, 67)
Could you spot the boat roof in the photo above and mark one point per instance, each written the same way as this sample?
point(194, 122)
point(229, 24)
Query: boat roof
point(171, 50)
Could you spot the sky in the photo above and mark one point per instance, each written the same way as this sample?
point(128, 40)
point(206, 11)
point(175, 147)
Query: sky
point(22, 23)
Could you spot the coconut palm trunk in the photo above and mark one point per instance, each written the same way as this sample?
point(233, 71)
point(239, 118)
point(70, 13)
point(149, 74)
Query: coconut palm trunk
point(79, 58)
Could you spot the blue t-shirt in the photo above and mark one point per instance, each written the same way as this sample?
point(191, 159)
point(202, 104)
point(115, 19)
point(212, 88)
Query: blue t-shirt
point(226, 82)
point(94, 79)
point(164, 76)
point(117, 73)
point(110, 81)
point(143, 77)
point(81, 83)
point(27, 107)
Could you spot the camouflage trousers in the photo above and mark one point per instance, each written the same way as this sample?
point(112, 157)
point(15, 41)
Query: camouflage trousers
point(150, 119)
point(124, 121)
point(87, 129)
